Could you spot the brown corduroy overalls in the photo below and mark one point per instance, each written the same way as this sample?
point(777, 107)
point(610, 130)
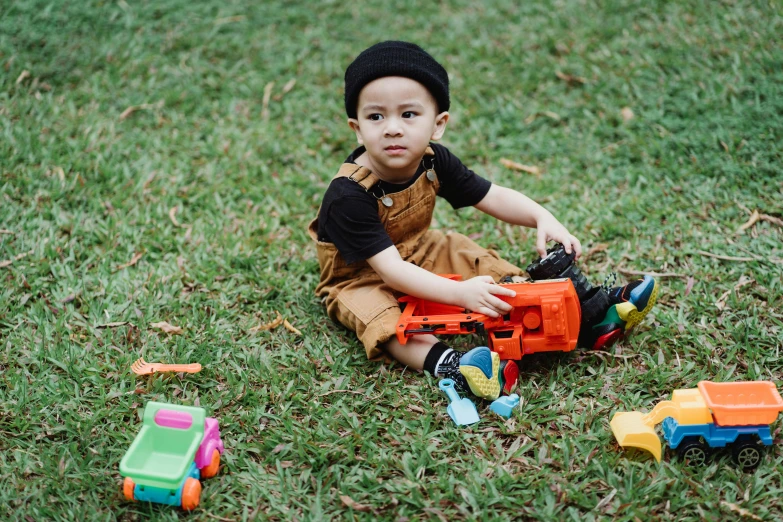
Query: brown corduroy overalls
point(356, 296)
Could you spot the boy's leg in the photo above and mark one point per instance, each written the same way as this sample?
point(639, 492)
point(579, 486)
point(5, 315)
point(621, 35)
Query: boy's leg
point(607, 313)
point(412, 354)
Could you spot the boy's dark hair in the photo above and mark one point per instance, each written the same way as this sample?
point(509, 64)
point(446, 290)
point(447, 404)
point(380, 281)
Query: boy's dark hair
point(393, 58)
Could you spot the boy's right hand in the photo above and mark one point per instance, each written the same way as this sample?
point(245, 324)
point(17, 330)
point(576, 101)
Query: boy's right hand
point(479, 295)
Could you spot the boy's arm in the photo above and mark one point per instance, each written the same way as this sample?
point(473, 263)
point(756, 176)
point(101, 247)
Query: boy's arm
point(477, 294)
point(515, 208)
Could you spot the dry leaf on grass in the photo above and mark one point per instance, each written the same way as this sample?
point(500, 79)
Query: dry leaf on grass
point(530, 169)
point(772, 219)
point(289, 85)
point(755, 217)
point(570, 79)
point(290, 327)
point(175, 221)
point(167, 328)
point(743, 281)
point(133, 108)
point(230, 19)
point(727, 258)
point(17, 257)
point(598, 247)
point(70, 298)
point(271, 325)
point(351, 503)
point(6, 231)
point(133, 261)
point(605, 501)
point(286, 89)
point(626, 271)
point(173, 216)
point(750, 222)
point(627, 114)
point(741, 511)
point(265, 101)
point(21, 78)
point(549, 114)
point(112, 325)
point(149, 180)
point(689, 286)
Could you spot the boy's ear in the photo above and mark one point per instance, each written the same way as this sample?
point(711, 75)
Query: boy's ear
point(353, 123)
point(440, 125)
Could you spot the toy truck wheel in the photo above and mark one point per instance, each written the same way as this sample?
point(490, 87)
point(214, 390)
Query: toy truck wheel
point(191, 494)
point(694, 453)
point(747, 455)
point(127, 489)
point(555, 262)
point(211, 469)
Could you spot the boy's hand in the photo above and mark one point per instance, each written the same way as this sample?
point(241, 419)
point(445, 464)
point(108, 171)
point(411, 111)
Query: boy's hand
point(549, 228)
point(478, 295)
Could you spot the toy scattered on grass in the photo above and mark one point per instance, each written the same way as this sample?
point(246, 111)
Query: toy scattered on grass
point(714, 415)
point(142, 367)
point(462, 411)
point(176, 447)
point(505, 405)
point(545, 318)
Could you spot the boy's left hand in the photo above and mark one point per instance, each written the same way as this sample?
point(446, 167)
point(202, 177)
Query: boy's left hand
point(549, 228)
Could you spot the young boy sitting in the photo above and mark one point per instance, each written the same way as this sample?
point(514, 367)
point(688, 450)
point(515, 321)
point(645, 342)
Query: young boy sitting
point(373, 238)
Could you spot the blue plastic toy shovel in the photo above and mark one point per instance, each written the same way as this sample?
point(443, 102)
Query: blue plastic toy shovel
point(462, 411)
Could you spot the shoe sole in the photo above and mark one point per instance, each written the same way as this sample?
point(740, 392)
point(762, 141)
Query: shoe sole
point(635, 316)
point(481, 369)
point(555, 262)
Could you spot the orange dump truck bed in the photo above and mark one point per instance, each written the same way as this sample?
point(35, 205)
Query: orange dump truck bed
point(750, 403)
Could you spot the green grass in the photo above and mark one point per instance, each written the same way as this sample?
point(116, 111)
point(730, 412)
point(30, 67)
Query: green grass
point(82, 190)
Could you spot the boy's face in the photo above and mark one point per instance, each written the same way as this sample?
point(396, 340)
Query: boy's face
point(396, 119)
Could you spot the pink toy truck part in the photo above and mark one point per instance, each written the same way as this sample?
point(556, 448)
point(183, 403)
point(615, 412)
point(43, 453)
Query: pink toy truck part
point(174, 419)
point(209, 443)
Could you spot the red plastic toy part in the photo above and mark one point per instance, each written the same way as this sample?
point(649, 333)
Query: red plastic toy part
point(545, 318)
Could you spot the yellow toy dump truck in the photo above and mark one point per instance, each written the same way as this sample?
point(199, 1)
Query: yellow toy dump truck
point(714, 415)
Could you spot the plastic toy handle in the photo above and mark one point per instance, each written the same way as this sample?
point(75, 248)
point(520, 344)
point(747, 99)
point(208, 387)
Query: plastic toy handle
point(187, 368)
point(447, 385)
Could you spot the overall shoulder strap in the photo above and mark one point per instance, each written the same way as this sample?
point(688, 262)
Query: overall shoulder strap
point(361, 175)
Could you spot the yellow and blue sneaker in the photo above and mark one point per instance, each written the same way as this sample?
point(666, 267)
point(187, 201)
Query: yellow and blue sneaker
point(486, 375)
point(628, 305)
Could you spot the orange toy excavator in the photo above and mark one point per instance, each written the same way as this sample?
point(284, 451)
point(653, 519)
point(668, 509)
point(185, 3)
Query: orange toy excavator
point(545, 318)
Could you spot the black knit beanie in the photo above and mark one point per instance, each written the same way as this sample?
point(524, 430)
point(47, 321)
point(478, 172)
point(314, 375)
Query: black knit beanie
point(395, 59)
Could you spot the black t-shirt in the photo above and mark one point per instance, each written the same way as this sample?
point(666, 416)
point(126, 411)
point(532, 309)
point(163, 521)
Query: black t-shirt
point(349, 214)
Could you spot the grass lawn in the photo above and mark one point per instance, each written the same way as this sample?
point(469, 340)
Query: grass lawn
point(159, 161)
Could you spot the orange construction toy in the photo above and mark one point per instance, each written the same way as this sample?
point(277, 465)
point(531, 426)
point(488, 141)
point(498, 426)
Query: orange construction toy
point(545, 318)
